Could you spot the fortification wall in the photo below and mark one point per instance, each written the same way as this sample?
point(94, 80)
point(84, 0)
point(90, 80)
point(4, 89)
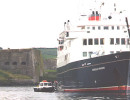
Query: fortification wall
point(22, 61)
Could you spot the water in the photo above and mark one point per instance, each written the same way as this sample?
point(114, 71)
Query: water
point(27, 93)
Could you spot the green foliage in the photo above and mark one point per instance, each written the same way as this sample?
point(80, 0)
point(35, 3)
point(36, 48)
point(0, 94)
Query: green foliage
point(18, 76)
point(48, 56)
point(48, 53)
point(3, 78)
point(4, 75)
point(50, 75)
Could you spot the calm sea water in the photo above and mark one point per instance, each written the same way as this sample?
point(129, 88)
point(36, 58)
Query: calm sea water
point(27, 93)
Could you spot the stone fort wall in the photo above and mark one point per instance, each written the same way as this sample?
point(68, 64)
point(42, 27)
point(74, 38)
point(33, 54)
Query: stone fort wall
point(22, 61)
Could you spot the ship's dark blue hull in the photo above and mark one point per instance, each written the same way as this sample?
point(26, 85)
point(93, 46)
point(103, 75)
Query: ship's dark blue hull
point(109, 73)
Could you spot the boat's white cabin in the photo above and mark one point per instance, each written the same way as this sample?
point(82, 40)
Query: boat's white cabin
point(45, 84)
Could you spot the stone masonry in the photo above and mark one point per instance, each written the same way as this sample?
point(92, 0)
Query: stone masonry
point(22, 61)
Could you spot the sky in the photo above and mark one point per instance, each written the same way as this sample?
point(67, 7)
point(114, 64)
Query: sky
point(37, 23)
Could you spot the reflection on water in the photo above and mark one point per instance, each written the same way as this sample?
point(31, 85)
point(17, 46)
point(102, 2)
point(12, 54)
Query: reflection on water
point(86, 96)
point(27, 93)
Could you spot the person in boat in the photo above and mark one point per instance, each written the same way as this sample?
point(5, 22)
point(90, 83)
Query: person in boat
point(55, 84)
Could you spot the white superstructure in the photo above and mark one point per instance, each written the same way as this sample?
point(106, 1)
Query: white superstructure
point(96, 34)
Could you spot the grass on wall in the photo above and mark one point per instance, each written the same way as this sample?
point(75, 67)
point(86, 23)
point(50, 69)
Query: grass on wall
point(4, 75)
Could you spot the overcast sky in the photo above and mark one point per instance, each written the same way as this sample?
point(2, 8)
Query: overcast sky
point(37, 23)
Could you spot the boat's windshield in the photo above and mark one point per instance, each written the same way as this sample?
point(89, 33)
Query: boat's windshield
point(45, 84)
point(49, 84)
point(41, 84)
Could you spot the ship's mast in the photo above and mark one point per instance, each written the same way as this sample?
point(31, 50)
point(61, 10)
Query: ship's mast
point(126, 19)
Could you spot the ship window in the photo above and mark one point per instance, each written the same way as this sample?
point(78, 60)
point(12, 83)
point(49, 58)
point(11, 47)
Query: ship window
point(117, 51)
point(106, 27)
point(96, 41)
point(111, 40)
point(111, 52)
point(88, 31)
point(117, 41)
point(90, 53)
point(128, 41)
point(101, 41)
point(118, 27)
point(45, 84)
point(88, 27)
point(90, 41)
point(93, 28)
point(125, 31)
point(67, 34)
point(99, 27)
point(84, 41)
point(84, 54)
point(123, 41)
point(112, 27)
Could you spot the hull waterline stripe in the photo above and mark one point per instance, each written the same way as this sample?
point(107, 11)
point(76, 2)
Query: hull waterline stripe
point(113, 88)
point(93, 65)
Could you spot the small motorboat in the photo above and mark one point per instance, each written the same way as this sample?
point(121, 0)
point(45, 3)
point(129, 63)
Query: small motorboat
point(44, 86)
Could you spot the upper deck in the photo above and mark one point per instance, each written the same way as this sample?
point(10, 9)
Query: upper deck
point(93, 35)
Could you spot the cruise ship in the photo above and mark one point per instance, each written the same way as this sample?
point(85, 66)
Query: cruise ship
point(94, 53)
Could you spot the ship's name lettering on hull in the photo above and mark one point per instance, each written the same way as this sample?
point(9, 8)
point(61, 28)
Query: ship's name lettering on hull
point(99, 68)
